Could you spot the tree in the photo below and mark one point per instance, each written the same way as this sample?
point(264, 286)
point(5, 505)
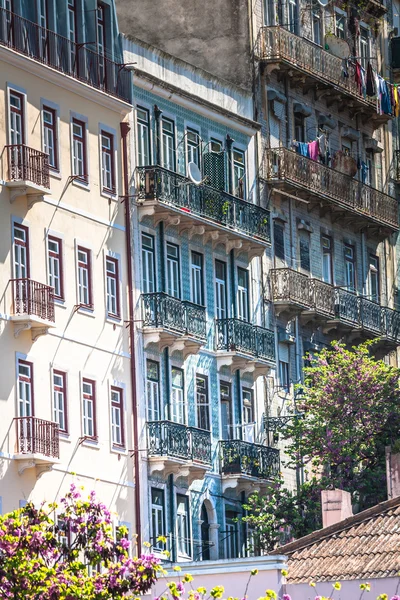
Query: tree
point(46, 554)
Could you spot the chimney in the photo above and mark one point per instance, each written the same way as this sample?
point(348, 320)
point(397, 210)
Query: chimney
point(336, 506)
point(392, 473)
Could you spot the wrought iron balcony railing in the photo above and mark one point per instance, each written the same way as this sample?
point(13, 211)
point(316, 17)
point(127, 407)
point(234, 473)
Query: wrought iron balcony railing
point(28, 164)
point(203, 201)
point(276, 44)
point(181, 316)
point(74, 59)
point(36, 436)
point(286, 166)
point(33, 299)
point(236, 335)
point(358, 312)
point(244, 458)
point(175, 440)
point(396, 164)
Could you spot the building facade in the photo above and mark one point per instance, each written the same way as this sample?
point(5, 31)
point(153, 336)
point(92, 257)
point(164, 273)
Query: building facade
point(65, 385)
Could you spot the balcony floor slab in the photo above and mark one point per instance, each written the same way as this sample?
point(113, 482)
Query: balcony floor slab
point(244, 483)
point(35, 324)
point(175, 341)
point(245, 363)
point(178, 467)
point(23, 188)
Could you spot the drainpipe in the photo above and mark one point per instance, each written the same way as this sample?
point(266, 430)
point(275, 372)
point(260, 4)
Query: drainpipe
point(172, 517)
point(125, 128)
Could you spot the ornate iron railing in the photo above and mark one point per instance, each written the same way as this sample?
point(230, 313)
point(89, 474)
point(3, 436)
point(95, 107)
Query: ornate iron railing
point(396, 165)
point(33, 298)
point(236, 335)
point(162, 310)
point(175, 440)
point(77, 60)
point(276, 44)
point(36, 436)
point(28, 164)
point(290, 286)
point(244, 458)
point(203, 201)
point(283, 165)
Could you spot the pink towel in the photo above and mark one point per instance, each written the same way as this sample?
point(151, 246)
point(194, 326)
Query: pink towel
point(313, 150)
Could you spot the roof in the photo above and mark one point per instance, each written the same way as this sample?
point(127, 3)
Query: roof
point(364, 546)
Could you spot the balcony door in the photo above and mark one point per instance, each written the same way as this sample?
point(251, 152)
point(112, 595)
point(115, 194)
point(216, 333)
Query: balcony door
point(243, 295)
point(220, 290)
point(177, 396)
point(248, 415)
point(225, 392)
point(373, 278)
point(21, 252)
point(327, 265)
point(148, 264)
point(16, 116)
point(153, 390)
point(25, 389)
point(173, 271)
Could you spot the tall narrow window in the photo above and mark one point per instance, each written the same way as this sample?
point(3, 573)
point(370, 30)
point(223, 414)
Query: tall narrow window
point(220, 290)
point(148, 264)
point(177, 396)
point(173, 271)
point(71, 22)
point(117, 417)
point(316, 26)
point(340, 24)
point(225, 393)
point(304, 249)
point(50, 135)
point(25, 389)
point(202, 402)
point(157, 518)
point(284, 374)
point(243, 294)
point(214, 164)
point(183, 525)
point(21, 251)
point(54, 253)
point(60, 400)
point(101, 41)
point(327, 266)
point(293, 16)
point(84, 278)
point(89, 408)
point(299, 127)
point(239, 173)
point(112, 277)
point(17, 119)
point(367, 170)
point(153, 390)
point(279, 240)
point(373, 278)
point(107, 162)
point(197, 278)
point(364, 47)
point(248, 415)
point(168, 144)
point(193, 146)
point(349, 265)
point(143, 136)
point(79, 160)
point(269, 13)
point(231, 534)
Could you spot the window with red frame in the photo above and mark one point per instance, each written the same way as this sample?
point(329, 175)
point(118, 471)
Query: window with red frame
point(54, 256)
point(60, 400)
point(79, 150)
point(107, 162)
point(117, 417)
point(89, 408)
point(85, 278)
point(50, 136)
point(112, 277)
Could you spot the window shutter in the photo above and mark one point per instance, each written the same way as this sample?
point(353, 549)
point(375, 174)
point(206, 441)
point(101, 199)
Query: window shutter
point(214, 169)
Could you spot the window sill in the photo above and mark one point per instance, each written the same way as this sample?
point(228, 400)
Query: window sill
point(81, 184)
point(86, 310)
point(91, 443)
point(60, 302)
point(114, 320)
point(110, 195)
point(64, 436)
point(119, 450)
point(55, 173)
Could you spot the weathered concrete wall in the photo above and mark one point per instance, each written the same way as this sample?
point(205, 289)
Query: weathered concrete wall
point(214, 38)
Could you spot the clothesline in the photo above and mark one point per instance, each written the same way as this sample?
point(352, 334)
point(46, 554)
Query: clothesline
point(370, 83)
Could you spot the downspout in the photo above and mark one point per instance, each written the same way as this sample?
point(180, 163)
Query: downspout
point(125, 128)
point(173, 548)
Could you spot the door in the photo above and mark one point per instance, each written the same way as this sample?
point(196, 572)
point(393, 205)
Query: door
point(177, 396)
point(243, 295)
point(326, 243)
point(173, 276)
point(21, 254)
point(148, 263)
point(205, 534)
point(373, 278)
point(220, 290)
point(226, 411)
point(25, 389)
point(16, 135)
point(248, 415)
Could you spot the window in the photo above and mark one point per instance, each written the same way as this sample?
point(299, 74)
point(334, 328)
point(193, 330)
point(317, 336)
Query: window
point(79, 150)
point(50, 135)
point(269, 13)
point(231, 533)
point(178, 396)
point(220, 289)
point(21, 251)
point(183, 525)
point(143, 136)
point(89, 408)
point(248, 415)
point(153, 390)
point(107, 162)
point(239, 173)
point(112, 277)
point(367, 169)
point(225, 393)
point(243, 294)
point(60, 400)
point(168, 143)
point(25, 389)
point(340, 24)
point(214, 164)
point(326, 244)
point(157, 518)
point(299, 128)
point(304, 247)
point(148, 264)
point(316, 26)
point(197, 278)
point(193, 146)
point(349, 266)
point(173, 271)
point(284, 374)
point(101, 41)
point(202, 402)
point(373, 278)
point(279, 240)
point(364, 47)
point(71, 23)
point(84, 277)
point(293, 16)
point(117, 417)
point(17, 119)
point(55, 264)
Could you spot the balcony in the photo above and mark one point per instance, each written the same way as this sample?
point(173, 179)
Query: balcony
point(203, 210)
point(247, 467)
point(333, 308)
point(344, 198)
point(241, 345)
point(28, 173)
point(177, 449)
point(174, 323)
point(311, 67)
point(396, 166)
point(33, 307)
point(37, 444)
point(76, 60)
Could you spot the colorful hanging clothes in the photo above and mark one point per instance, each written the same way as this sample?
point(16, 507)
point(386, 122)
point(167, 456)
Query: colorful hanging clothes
point(358, 78)
point(370, 83)
point(396, 101)
point(363, 82)
point(313, 150)
point(322, 145)
point(302, 149)
point(386, 106)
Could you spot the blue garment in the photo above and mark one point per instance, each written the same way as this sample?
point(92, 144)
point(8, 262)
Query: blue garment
point(302, 149)
point(364, 171)
point(386, 105)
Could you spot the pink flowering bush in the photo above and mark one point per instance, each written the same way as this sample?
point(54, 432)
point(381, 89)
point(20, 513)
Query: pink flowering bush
point(69, 552)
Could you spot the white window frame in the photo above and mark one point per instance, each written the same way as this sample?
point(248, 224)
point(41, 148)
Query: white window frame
point(56, 400)
point(205, 406)
point(157, 510)
point(112, 133)
point(181, 517)
point(141, 127)
point(178, 398)
point(171, 150)
point(21, 91)
point(80, 182)
point(89, 421)
point(173, 270)
point(148, 257)
point(197, 279)
point(153, 395)
point(118, 430)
